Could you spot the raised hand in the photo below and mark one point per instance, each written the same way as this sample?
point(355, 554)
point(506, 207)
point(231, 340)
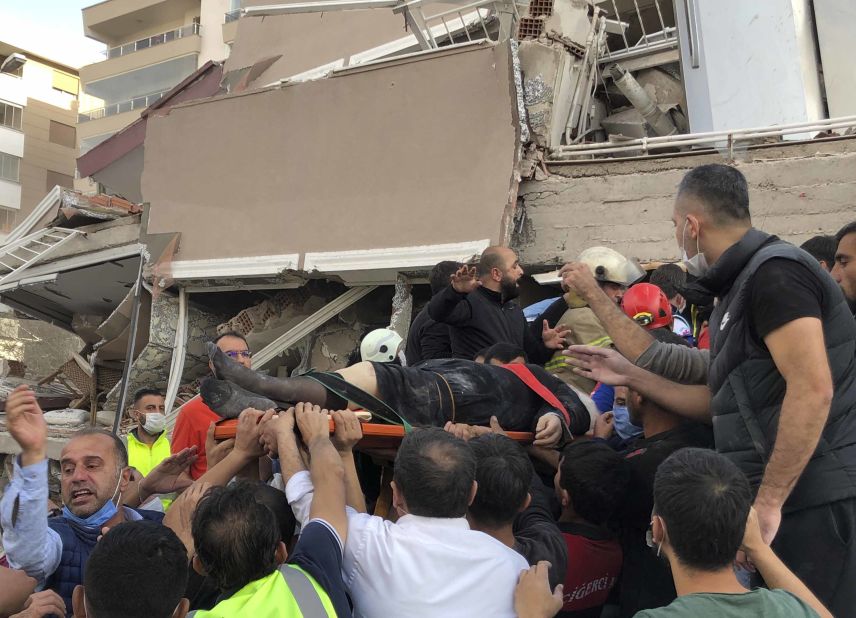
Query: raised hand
point(604, 425)
point(548, 431)
point(248, 435)
point(600, 364)
point(216, 451)
point(555, 338)
point(171, 474)
point(348, 430)
point(465, 280)
point(180, 514)
point(532, 597)
point(26, 423)
point(41, 604)
point(577, 277)
point(276, 429)
point(312, 422)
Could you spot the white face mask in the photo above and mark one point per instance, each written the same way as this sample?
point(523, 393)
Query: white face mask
point(696, 265)
point(155, 423)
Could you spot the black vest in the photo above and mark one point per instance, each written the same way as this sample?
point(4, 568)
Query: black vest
point(747, 388)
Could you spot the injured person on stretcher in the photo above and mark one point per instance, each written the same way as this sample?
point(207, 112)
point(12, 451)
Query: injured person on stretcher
point(521, 397)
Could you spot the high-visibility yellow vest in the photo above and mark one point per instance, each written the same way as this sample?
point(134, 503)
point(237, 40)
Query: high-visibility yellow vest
point(144, 457)
point(288, 592)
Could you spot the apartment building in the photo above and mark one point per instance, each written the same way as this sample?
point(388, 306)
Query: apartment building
point(151, 45)
point(38, 111)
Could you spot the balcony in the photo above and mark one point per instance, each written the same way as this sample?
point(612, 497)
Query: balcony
point(151, 78)
point(115, 21)
point(230, 25)
point(152, 41)
point(143, 53)
point(138, 103)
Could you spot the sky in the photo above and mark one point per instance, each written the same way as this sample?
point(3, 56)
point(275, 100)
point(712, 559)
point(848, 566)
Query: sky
point(52, 28)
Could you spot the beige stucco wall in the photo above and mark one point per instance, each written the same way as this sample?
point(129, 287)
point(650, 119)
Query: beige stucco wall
point(412, 153)
point(309, 40)
point(796, 191)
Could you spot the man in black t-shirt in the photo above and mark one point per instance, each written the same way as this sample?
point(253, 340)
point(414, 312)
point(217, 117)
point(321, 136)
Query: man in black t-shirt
point(478, 306)
point(844, 271)
point(781, 376)
point(428, 339)
point(646, 581)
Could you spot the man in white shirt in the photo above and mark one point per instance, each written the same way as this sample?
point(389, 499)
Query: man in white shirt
point(429, 562)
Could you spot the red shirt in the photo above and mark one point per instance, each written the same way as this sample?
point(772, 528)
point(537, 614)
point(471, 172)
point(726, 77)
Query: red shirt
point(704, 339)
point(594, 564)
point(191, 427)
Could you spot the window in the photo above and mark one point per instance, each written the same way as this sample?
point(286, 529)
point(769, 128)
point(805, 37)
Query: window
point(10, 167)
point(7, 219)
point(62, 134)
point(65, 82)
point(11, 115)
point(56, 178)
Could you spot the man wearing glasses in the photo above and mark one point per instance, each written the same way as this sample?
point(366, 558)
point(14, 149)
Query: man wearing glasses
point(195, 419)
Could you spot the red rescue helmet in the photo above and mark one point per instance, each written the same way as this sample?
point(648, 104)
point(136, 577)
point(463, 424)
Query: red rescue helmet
point(647, 305)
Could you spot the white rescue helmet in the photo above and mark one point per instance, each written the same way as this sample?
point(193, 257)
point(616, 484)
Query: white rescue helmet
point(609, 266)
point(381, 346)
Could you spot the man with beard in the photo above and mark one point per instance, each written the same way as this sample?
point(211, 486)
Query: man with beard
point(844, 270)
point(781, 376)
point(480, 310)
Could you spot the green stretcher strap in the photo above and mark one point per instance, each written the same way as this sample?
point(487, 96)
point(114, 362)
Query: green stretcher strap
point(337, 385)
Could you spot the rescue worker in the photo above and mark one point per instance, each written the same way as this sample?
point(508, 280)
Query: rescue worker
point(383, 345)
point(148, 443)
point(614, 273)
point(239, 544)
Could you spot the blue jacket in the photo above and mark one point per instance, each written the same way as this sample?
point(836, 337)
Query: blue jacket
point(77, 543)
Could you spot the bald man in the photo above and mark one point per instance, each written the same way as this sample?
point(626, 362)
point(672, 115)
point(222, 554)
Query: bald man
point(479, 308)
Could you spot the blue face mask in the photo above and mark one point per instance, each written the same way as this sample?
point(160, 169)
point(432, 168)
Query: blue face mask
point(623, 427)
point(99, 517)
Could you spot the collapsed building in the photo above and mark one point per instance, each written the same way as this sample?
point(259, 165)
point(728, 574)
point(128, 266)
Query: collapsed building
point(300, 192)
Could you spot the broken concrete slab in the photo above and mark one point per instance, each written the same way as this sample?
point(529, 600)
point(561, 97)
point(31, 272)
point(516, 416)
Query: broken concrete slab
point(406, 191)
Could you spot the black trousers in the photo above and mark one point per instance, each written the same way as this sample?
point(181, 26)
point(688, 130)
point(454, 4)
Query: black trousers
point(818, 545)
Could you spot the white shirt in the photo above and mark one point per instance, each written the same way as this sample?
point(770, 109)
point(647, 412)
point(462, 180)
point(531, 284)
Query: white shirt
point(420, 566)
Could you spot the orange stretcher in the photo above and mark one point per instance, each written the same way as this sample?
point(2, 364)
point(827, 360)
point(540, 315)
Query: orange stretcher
point(375, 435)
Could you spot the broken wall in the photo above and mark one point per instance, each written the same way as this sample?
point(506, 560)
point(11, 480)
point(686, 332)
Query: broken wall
point(409, 152)
point(304, 41)
point(796, 191)
point(41, 346)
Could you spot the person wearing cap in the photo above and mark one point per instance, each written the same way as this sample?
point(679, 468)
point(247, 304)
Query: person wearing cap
point(614, 273)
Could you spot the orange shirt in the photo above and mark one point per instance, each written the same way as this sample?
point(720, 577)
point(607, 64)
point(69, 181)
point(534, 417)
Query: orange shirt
point(191, 427)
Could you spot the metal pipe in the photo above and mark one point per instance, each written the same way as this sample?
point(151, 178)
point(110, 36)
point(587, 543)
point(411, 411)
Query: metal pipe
point(660, 15)
point(642, 101)
point(178, 349)
point(641, 25)
point(693, 139)
point(798, 127)
point(618, 17)
point(571, 122)
point(129, 353)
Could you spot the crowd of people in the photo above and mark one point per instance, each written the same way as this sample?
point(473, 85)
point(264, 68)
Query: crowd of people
point(691, 451)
